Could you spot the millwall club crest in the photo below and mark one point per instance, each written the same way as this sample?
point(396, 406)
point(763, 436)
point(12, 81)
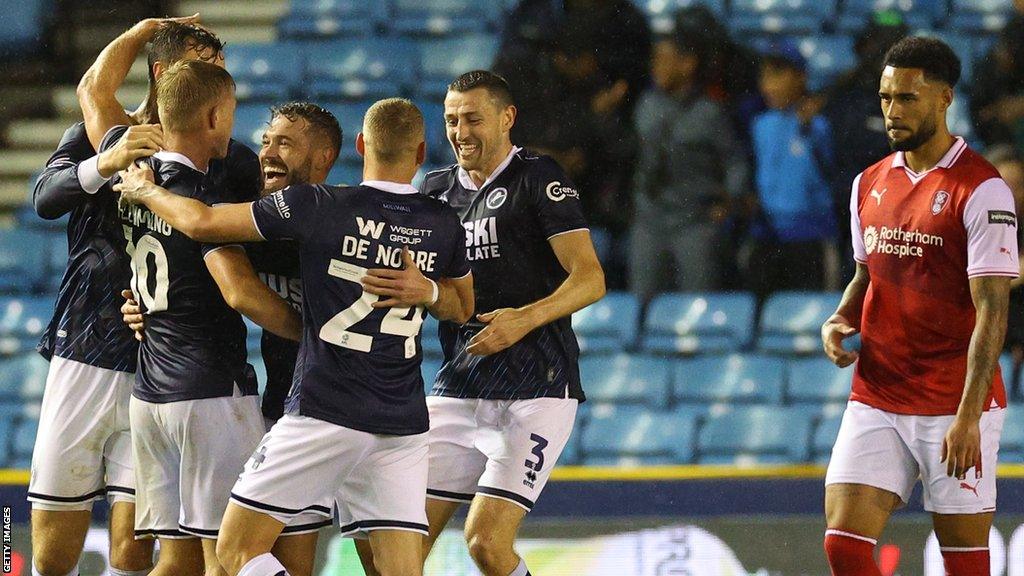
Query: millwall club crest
point(939, 201)
point(496, 198)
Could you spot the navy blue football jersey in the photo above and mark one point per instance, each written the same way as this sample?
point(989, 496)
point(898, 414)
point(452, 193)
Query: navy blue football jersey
point(277, 264)
point(359, 367)
point(86, 325)
point(195, 342)
point(508, 224)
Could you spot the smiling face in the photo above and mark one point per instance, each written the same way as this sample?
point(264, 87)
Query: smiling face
point(913, 106)
point(286, 155)
point(478, 126)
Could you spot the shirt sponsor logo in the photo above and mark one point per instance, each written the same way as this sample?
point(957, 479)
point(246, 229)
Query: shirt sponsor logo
point(939, 201)
point(898, 242)
point(282, 208)
point(496, 198)
point(1002, 217)
point(556, 192)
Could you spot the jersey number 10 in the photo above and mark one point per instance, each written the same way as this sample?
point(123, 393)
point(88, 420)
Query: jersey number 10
point(156, 300)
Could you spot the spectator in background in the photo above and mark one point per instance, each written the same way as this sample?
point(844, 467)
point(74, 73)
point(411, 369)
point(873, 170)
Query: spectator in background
point(997, 93)
point(858, 129)
point(689, 166)
point(795, 229)
point(576, 86)
point(1011, 167)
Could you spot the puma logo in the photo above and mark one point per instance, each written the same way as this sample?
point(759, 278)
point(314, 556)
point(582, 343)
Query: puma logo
point(966, 486)
point(878, 195)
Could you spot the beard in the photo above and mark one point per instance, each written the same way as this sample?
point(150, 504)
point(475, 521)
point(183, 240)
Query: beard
point(297, 175)
point(915, 140)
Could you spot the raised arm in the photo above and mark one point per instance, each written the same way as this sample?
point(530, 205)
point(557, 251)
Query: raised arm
point(97, 90)
point(202, 223)
point(583, 287)
point(245, 292)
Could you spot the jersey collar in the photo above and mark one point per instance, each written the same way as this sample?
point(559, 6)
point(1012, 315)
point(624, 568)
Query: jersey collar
point(467, 181)
point(947, 161)
point(165, 156)
point(392, 187)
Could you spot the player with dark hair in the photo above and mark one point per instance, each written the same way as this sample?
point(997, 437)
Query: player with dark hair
point(355, 436)
point(934, 236)
point(92, 358)
point(504, 402)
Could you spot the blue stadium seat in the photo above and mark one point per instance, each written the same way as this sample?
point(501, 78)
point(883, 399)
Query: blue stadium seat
point(442, 17)
point(328, 18)
point(442, 60)
point(791, 321)
point(755, 433)
point(428, 338)
point(370, 68)
point(346, 174)
point(264, 72)
point(818, 381)
point(439, 151)
point(10, 412)
point(625, 378)
point(429, 368)
point(1011, 441)
point(609, 325)
point(250, 124)
point(661, 13)
point(980, 16)
point(827, 56)
point(24, 260)
point(825, 434)
point(694, 323)
point(350, 118)
point(25, 438)
point(23, 377)
point(780, 16)
point(617, 435)
point(915, 13)
point(732, 379)
point(22, 321)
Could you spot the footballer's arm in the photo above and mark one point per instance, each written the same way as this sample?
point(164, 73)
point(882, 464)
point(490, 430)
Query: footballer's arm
point(846, 319)
point(453, 300)
point(245, 292)
point(584, 286)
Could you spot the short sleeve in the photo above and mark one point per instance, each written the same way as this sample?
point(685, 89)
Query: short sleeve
point(991, 224)
point(111, 137)
point(288, 214)
point(556, 200)
point(856, 233)
point(458, 265)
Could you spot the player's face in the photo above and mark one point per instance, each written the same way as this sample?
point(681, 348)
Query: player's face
point(478, 128)
point(287, 154)
point(781, 86)
point(912, 106)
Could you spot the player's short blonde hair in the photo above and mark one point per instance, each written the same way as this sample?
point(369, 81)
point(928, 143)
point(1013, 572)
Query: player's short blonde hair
point(393, 129)
point(188, 88)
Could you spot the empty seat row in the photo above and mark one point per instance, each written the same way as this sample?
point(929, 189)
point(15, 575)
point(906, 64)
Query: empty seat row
point(368, 68)
point(327, 18)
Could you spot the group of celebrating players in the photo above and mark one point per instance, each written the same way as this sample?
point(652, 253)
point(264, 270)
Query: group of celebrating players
point(162, 416)
point(204, 231)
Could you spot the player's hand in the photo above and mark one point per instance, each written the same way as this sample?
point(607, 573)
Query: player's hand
point(134, 183)
point(505, 327)
point(150, 26)
point(402, 288)
point(131, 312)
point(137, 142)
point(961, 448)
point(833, 332)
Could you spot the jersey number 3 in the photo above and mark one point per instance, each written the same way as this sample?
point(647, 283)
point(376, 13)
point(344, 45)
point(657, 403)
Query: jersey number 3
point(396, 322)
